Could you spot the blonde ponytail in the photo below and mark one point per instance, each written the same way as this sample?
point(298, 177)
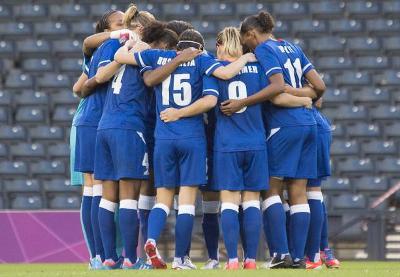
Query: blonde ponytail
point(229, 37)
point(133, 17)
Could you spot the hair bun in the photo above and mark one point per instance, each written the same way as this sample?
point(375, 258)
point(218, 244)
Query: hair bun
point(266, 20)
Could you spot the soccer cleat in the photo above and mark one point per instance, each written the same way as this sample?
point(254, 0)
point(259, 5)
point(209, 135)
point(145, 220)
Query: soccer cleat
point(110, 264)
point(187, 261)
point(313, 265)
point(328, 258)
point(299, 264)
point(152, 254)
point(180, 264)
point(280, 261)
point(139, 265)
point(266, 264)
point(232, 265)
point(211, 264)
point(95, 263)
point(249, 265)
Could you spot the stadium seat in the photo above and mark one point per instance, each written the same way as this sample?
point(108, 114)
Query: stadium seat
point(47, 168)
point(65, 202)
point(289, 9)
point(372, 62)
point(97, 10)
point(363, 129)
point(392, 43)
point(4, 115)
point(82, 28)
point(389, 165)
point(282, 28)
point(186, 10)
point(342, 147)
point(33, 65)
point(378, 147)
point(68, 47)
point(353, 233)
point(330, 45)
point(64, 97)
point(63, 114)
point(13, 168)
point(383, 27)
point(309, 27)
point(12, 133)
point(30, 12)
point(54, 80)
point(391, 8)
point(31, 202)
point(346, 112)
point(371, 183)
point(67, 11)
point(371, 95)
point(249, 8)
point(27, 150)
point(46, 133)
point(356, 166)
point(30, 115)
point(327, 9)
point(5, 12)
point(338, 130)
point(343, 26)
point(21, 185)
point(6, 48)
point(385, 112)
point(205, 27)
point(56, 29)
point(334, 63)
point(15, 29)
point(6, 98)
point(362, 8)
point(334, 96)
point(392, 129)
point(336, 184)
point(71, 65)
point(33, 47)
point(348, 201)
point(388, 78)
point(59, 150)
point(353, 78)
point(216, 9)
point(60, 185)
point(359, 45)
point(29, 97)
point(3, 152)
point(18, 80)
point(153, 7)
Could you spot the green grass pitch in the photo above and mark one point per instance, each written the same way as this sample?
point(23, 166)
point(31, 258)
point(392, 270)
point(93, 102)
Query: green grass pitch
point(348, 269)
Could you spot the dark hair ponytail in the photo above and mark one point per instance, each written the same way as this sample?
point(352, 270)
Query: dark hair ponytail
point(263, 22)
point(157, 32)
point(179, 26)
point(103, 22)
point(191, 38)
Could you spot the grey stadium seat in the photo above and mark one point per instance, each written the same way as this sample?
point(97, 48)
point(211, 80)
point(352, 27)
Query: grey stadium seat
point(383, 27)
point(30, 114)
point(372, 62)
point(63, 97)
point(68, 47)
point(336, 96)
point(155, 9)
point(82, 28)
point(372, 95)
point(46, 133)
point(338, 130)
point(342, 147)
point(249, 8)
point(60, 185)
point(378, 147)
point(67, 202)
point(343, 26)
point(362, 8)
point(371, 183)
point(327, 44)
point(347, 201)
point(31, 202)
point(392, 43)
point(363, 129)
point(30, 97)
point(391, 8)
point(66, 11)
point(53, 80)
point(336, 184)
point(5, 98)
point(334, 63)
point(4, 115)
point(47, 168)
point(354, 78)
point(3, 151)
point(32, 47)
point(51, 29)
point(363, 44)
point(388, 78)
point(63, 114)
point(385, 112)
point(34, 65)
point(309, 27)
point(59, 150)
point(19, 80)
point(71, 65)
point(289, 9)
point(347, 112)
point(327, 9)
point(216, 9)
point(355, 165)
point(16, 29)
point(5, 12)
point(12, 133)
point(389, 165)
point(392, 129)
point(205, 27)
point(179, 9)
point(13, 168)
point(27, 150)
point(6, 48)
point(22, 185)
point(97, 10)
point(30, 12)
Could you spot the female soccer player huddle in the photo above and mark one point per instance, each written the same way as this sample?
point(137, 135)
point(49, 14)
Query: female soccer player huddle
point(145, 88)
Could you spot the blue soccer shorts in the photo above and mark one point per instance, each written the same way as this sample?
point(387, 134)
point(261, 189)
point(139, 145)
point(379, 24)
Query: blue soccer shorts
point(241, 171)
point(76, 177)
point(180, 162)
point(120, 154)
point(324, 140)
point(292, 152)
point(85, 148)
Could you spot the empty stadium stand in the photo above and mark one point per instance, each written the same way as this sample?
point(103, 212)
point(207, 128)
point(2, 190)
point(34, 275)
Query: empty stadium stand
point(354, 44)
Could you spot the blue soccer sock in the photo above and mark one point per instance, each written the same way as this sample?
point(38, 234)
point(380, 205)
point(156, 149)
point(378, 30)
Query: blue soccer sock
point(107, 228)
point(299, 223)
point(210, 226)
point(86, 207)
point(128, 224)
point(183, 230)
point(324, 232)
point(251, 227)
point(157, 220)
point(286, 208)
point(241, 232)
point(315, 229)
point(267, 233)
point(276, 220)
point(97, 193)
point(230, 228)
point(145, 205)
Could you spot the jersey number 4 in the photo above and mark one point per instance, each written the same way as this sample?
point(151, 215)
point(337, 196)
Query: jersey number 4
point(116, 84)
point(180, 84)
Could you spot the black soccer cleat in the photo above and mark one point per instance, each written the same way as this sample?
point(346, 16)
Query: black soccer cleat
point(299, 264)
point(280, 261)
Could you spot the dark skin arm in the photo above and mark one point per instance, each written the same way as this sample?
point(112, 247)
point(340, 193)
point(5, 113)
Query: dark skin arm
point(276, 86)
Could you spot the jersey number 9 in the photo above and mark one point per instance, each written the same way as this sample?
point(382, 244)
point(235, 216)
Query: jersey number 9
point(237, 90)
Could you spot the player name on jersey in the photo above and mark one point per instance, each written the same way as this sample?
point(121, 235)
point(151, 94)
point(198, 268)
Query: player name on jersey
point(249, 69)
point(162, 61)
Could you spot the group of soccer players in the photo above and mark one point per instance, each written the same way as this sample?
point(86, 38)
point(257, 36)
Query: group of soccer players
point(160, 118)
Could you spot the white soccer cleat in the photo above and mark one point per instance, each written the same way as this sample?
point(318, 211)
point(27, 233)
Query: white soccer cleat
point(211, 264)
point(178, 264)
point(187, 261)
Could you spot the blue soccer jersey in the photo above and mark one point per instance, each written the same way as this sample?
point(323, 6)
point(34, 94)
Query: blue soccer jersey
point(323, 122)
point(125, 105)
point(244, 130)
point(279, 56)
point(180, 89)
point(93, 109)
